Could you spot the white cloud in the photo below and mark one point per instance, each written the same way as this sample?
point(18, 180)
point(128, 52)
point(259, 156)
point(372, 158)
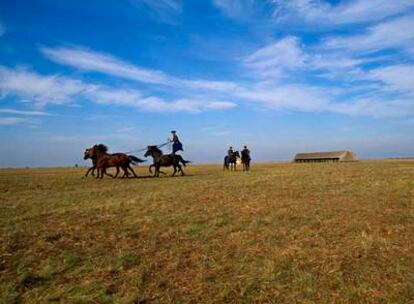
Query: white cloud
point(41, 90)
point(19, 112)
point(173, 5)
point(270, 60)
point(9, 121)
point(285, 57)
point(162, 10)
point(322, 12)
point(289, 97)
point(203, 84)
point(92, 61)
point(398, 77)
point(394, 34)
point(88, 60)
point(183, 105)
point(375, 107)
point(234, 8)
point(136, 99)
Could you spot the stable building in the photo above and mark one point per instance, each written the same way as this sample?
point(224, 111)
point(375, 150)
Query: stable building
point(334, 156)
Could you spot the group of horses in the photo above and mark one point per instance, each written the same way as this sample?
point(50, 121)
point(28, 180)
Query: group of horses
point(230, 161)
point(102, 160)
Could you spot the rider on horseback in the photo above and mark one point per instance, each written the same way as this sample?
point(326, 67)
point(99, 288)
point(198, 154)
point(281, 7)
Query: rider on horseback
point(177, 145)
point(246, 152)
point(230, 152)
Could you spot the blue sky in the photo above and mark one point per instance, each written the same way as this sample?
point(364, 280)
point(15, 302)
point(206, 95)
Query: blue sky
point(280, 76)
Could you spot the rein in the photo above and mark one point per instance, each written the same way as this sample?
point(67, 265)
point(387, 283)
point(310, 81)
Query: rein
point(144, 149)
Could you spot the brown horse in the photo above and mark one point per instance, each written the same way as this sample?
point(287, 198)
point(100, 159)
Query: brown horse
point(92, 169)
point(161, 160)
point(103, 160)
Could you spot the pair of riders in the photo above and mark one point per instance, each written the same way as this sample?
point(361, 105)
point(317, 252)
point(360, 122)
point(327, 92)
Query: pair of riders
point(245, 151)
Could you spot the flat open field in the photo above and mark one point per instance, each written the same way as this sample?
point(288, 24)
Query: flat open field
point(282, 233)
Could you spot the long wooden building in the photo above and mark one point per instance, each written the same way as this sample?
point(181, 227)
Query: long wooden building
point(334, 156)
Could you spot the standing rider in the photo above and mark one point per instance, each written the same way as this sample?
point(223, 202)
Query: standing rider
point(177, 145)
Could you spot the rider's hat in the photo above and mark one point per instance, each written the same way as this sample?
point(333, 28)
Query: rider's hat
point(173, 131)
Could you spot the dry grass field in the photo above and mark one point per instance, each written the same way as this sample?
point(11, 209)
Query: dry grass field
point(282, 233)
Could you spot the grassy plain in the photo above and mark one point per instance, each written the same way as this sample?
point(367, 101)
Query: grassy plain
point(282, 233)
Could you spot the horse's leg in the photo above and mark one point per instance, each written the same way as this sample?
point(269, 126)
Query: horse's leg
point(132, 170)
point(126, 173)
point(106, 173)
point(125, 169)
point(226, 166)
point(181, 169)
point(116, 173)
point(89, 170)
point(175, 169)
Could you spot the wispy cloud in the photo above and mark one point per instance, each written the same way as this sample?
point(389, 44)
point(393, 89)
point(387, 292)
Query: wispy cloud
point(324, 13)
point(271, 60)
point(88, 60)
point(280, 81)
point(392, 34)
point(234, 8)
point(9, 121)
point(155, 104)
point(43, 90)
point(169, 5)
point(395, 78)
point(19, 112)
point(161, 10)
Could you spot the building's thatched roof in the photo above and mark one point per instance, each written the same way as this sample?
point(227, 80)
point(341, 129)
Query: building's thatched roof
point(340, 155)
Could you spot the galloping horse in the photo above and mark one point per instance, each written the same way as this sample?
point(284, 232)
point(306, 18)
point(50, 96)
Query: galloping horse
point(230, 161)
point(92, 169)
point(245, 159)
point(102, 160)
point(161, 160)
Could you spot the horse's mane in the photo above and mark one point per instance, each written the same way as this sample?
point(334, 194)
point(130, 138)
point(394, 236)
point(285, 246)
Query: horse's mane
point(155, 149)
point(101, 148)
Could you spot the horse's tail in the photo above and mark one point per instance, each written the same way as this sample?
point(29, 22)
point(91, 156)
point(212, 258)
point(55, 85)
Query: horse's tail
point(135, 160)
point(182, 160)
